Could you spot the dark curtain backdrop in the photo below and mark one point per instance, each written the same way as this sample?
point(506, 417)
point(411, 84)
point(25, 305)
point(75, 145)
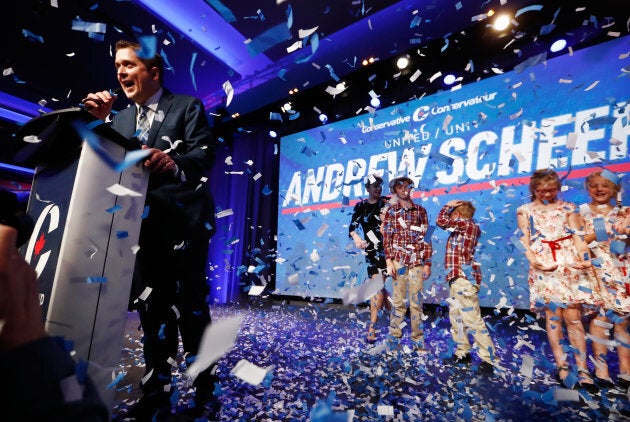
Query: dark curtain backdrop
point(242, 252)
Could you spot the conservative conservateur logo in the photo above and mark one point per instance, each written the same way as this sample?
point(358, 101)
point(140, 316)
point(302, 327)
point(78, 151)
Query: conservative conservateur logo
point(37, 251)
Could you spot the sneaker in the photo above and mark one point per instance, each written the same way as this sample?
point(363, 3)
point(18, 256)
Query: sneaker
point(585, 381)
point(485, 368)
point(623, 382)
point(603, 382)
point(459, 360)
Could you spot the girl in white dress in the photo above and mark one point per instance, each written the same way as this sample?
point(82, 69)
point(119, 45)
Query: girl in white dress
point(560, 283)
point(610, 263)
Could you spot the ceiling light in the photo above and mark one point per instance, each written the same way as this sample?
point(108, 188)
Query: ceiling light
point(501, 22)
point(272, 134)
point(286, 107)
point(341, 86)
point(558, 45)
point(449, 79)
point(375, 102)
point(323, 118)
point(402, 62)
point(365, 62)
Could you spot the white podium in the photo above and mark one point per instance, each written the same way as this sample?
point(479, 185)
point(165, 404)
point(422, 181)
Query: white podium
point(83, 243)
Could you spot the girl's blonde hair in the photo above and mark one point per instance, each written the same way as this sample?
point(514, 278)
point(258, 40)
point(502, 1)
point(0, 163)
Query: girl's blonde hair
point(615, 186)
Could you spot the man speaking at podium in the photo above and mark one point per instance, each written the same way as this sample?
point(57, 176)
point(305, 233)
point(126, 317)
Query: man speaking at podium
point(169, 287)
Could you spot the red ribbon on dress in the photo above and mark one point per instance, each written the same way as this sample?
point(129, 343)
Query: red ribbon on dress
point(625, 274)
point(554, 245)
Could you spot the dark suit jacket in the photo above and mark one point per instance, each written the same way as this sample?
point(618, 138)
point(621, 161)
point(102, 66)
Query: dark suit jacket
point(179, 208)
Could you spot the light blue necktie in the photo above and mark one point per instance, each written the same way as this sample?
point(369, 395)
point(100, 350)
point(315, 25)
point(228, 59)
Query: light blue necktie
point(143, 125)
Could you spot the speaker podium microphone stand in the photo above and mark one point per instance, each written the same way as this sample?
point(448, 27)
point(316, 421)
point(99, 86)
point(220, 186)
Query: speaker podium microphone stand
point(87, 218)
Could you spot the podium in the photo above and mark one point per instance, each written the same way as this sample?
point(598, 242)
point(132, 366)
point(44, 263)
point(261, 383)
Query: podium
point(84, 241)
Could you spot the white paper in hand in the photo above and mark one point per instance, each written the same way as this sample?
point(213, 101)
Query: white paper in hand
point(217, 339)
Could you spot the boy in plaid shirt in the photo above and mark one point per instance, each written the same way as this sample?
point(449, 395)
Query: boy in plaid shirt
point(464, 277)
point(408, 256)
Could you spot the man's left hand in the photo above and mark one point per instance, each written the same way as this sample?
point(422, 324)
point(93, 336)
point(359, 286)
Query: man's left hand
point(160, 162)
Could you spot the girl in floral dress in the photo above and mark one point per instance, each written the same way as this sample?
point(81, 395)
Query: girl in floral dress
point(560, 282)
point(607, 248)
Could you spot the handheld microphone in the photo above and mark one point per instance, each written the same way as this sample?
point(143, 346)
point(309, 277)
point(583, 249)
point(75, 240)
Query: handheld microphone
point(115, 91)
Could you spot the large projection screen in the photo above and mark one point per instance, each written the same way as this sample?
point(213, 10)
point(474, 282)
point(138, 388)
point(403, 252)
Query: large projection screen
point(478, 142)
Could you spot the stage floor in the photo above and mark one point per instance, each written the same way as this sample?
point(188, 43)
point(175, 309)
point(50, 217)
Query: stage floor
point(316, 351)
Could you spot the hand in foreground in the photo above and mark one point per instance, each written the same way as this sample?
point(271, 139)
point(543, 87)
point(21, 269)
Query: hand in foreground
point(20, 312)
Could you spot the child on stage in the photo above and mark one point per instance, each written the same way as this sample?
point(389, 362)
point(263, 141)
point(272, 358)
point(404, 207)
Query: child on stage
point(608, 248)
point(408, 253)
point(464, 277)
point(560, 283)
point(367, 215)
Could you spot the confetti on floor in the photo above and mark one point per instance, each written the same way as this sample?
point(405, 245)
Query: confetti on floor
point(315, 353)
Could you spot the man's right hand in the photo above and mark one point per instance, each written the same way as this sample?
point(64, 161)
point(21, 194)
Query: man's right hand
point(99, 104)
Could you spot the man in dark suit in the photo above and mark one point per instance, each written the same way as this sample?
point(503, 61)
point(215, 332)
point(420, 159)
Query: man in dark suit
point(169, 287)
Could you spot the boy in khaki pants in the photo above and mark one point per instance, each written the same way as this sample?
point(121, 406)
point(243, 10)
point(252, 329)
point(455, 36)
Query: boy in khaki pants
point(408, 256)
point(464, 277)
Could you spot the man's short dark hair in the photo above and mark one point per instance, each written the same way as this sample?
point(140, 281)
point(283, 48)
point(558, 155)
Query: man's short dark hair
point(149, 62)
